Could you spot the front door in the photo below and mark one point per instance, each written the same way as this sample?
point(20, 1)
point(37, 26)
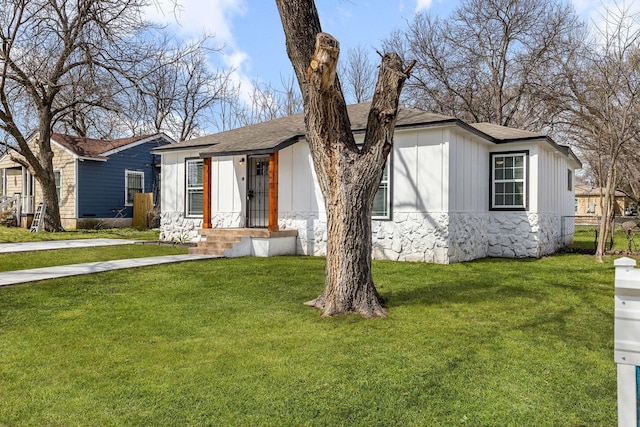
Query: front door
point(258, 192)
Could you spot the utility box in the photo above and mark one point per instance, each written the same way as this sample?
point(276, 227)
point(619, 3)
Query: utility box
point(626, 348)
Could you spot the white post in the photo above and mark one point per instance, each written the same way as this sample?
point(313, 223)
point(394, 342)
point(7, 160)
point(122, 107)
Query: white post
point(627, 339)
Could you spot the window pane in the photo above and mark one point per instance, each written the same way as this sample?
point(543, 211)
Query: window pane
point(380, 202)
point(195, 173)
point(134, 184)
point(508, 174)
point(508, 187)
point(508, 162)
point(195, 202)
point(519, 187)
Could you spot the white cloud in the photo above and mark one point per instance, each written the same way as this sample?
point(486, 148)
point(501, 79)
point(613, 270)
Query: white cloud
point(422, 5)
point(190, 19)
point(193, 17)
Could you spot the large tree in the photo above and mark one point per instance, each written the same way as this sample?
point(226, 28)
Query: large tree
point(348, 175)
point(56, 58)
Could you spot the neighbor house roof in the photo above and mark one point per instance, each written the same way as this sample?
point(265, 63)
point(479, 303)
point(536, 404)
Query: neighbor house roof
point(274, 135)
point(589, 190)
point(99, 149)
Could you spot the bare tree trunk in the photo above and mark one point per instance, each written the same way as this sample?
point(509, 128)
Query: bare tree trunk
point(605, 220)
point(348, 175)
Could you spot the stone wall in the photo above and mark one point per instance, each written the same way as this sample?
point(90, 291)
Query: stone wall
point(408, 237)
point(438, 238)
point(468, 236)
point(520, 235)
point(174, 227)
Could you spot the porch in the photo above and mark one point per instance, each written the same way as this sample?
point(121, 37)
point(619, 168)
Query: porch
point(238, 242)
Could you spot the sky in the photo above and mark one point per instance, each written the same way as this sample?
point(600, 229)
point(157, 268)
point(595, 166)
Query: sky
point(250, 32)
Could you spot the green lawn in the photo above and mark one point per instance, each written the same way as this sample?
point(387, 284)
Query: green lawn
point(228, 342)
point(14, 234)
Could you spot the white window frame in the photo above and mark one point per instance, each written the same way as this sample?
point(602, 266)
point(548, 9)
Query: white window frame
point(505, 181)
point(385, 185)
point(126, 185)
point(192, 189)
point(3, 182)
point(59, 185)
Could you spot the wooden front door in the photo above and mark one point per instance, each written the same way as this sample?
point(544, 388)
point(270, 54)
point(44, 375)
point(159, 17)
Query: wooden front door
point(258, 192)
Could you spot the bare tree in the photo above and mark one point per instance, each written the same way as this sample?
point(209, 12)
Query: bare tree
point(602, 105)
point(51, 49)
point(177, 90)
point(489, 60)
point(348, 175)
point(265, 102)
point(359, 75)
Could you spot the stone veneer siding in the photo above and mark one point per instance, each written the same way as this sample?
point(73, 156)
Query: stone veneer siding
point(438, 238)
point(175, 227)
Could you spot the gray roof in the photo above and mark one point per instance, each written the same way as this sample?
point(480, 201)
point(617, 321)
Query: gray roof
point(274, 135)
point(503, 133)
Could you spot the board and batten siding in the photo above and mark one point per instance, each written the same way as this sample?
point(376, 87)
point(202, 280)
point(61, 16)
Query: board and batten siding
point(228, 190)
point(469, 173)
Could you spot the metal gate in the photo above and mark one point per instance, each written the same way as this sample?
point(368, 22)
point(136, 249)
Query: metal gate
point(258, 192)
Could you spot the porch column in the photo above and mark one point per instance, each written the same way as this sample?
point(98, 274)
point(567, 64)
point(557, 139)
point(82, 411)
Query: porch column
point(206, 193)
point(273, 192)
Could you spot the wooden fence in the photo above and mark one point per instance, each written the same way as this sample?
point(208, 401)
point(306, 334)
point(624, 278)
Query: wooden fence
point(142, 209)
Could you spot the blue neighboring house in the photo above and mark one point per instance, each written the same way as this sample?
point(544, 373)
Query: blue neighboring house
point(96, 179)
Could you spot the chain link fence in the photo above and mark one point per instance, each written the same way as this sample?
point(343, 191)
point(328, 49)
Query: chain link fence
point(585, 229)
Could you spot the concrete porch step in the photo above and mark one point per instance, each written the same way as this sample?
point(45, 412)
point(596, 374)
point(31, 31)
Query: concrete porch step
point(215, 241)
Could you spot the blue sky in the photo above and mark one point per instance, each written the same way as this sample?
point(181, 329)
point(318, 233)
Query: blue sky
point(252, 35)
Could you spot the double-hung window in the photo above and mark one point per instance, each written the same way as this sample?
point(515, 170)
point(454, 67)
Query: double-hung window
point(194, 181)
point(57, 177)
point(134, 183)
point(381, 208)
point(509, 181)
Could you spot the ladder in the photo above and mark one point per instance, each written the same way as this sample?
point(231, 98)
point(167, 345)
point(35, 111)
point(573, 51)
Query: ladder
point(38, 218)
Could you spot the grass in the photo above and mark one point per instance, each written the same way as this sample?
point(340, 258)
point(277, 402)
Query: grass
point(13, 234)
point(493, 342)
point(584, 239)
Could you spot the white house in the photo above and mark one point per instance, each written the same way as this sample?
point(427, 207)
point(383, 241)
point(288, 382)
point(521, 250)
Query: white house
point(452, 191)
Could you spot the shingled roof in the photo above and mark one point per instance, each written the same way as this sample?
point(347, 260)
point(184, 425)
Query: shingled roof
point(93, 148)
point(274, 135)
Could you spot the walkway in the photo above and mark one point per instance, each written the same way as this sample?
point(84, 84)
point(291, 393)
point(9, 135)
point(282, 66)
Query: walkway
point(60, 244)
point(24, 276)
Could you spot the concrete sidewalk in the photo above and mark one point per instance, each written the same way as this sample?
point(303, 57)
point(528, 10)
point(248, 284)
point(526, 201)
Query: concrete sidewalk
point(60, 244)
point(24, 276)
